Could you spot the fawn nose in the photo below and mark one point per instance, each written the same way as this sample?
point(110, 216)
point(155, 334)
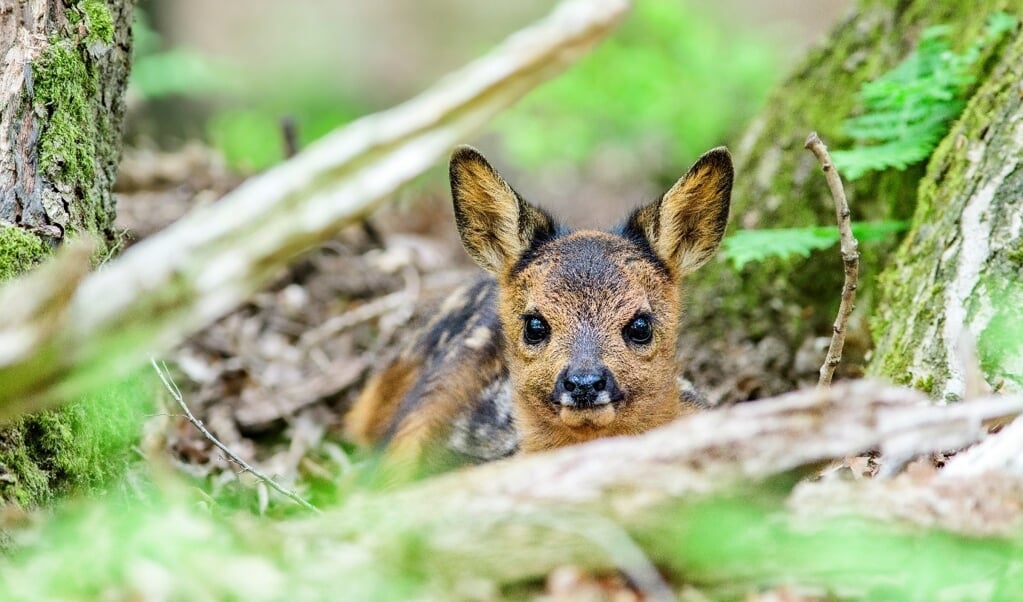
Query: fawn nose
point(586, 387)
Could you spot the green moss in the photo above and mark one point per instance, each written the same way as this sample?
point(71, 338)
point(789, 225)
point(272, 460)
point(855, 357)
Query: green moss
point(20, 250)
point(22, 479)
point(925, 384)
point(81, 447)
point(1016, 256)
point(67, 140)
point(98, 20)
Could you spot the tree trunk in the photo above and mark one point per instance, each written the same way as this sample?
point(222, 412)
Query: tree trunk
point(778, 184)
point(955, 281)
point(62, 87)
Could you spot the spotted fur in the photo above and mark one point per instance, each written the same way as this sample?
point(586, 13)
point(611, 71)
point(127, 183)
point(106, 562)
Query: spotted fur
point(478, 383)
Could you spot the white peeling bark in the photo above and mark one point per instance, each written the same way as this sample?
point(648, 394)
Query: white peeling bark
point(167, 287)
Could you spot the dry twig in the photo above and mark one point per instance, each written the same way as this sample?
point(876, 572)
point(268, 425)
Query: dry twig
point(850, 258)
point(175, 392)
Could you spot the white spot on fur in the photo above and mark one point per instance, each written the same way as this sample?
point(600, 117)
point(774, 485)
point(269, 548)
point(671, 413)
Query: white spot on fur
point(479, 338)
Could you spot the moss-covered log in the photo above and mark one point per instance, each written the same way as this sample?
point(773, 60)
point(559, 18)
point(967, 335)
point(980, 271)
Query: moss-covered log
point(956, 280)
point(62, 86)
point(778, 185)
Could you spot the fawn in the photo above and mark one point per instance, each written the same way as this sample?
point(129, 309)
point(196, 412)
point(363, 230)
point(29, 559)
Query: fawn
point(570, 336)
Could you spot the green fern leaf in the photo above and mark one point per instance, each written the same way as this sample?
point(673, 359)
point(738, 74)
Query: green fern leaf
point(907, 111)
point(747, 246)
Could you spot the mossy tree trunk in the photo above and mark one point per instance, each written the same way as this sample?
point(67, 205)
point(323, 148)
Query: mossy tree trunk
point(956, 282)
point(778, 184)
point(64, 70)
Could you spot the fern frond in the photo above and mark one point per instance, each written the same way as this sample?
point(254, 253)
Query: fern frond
point(907, 111)
point(747, 246)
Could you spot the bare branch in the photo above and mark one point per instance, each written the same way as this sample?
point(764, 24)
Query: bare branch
point(850, 258)
point(175, 392)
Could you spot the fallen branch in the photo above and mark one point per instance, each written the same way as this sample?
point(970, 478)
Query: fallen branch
point(1002, 451)
point(850, 258)
point(704, 499)
point(176, 282)
point(481, 520)
point(175, 392)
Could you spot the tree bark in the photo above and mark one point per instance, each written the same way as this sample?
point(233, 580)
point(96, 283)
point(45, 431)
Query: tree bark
point(778, 184)
point(62, 99)
point(65, 67)
point(955, 283)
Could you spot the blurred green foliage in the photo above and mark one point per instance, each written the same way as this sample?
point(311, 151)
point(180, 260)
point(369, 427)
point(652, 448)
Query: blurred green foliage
point(1000, 344)
point(724, 547)
point(85, 446)
point(908, 110)
point(158, 72)
point(673, 81)
point(246, 113)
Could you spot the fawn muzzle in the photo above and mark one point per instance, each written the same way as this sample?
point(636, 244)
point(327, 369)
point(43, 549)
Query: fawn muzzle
point(586, 387)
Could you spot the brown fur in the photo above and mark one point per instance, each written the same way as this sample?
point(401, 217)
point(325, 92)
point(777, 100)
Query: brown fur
point(457, 384)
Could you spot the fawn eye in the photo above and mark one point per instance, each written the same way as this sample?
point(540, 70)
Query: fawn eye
point(536, 330)
point(640, 330)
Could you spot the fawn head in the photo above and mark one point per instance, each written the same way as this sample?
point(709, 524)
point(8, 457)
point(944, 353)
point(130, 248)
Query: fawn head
point(590, 318)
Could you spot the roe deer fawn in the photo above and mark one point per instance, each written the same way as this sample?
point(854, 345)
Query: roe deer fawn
point(570, 336)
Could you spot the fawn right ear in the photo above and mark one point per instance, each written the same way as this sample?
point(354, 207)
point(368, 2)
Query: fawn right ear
point(496, 225)
point(686, 224)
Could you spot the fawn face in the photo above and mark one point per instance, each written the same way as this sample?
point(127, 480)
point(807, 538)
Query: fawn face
point(589, 318)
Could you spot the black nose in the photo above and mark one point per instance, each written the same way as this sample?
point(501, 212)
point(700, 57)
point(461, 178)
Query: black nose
point(586, 387)
point(586, 381)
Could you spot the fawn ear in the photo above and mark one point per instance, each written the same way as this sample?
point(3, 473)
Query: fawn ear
point(685, 226)
point(496, 225)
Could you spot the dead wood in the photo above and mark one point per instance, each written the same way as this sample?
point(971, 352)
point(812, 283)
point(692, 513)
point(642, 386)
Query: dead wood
point(518, 519)
point(707, 500)
point(196, 270)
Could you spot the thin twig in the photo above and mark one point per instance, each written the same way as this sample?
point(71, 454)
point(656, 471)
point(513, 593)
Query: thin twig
point(850, 259)
point(175, 392)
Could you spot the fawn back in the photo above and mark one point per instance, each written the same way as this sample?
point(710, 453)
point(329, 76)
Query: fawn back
point(569, 336)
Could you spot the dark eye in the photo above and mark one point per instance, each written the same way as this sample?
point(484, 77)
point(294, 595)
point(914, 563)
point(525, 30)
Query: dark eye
point(536, 330)
point(639, 330)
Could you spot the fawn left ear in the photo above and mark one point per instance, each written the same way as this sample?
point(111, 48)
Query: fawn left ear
point(495, 224)
point(685, 226)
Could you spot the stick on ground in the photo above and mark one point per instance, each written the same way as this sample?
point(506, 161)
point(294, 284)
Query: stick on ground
point(175, 392)
point(850, 258)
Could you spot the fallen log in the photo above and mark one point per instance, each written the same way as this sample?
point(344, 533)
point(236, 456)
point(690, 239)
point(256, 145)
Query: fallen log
point(707, 499)
point(516, 520)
